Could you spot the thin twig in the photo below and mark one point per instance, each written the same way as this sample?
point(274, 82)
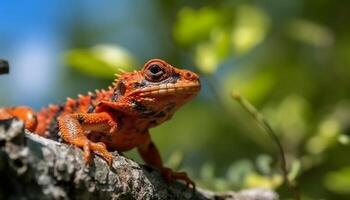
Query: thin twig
point(266, 126)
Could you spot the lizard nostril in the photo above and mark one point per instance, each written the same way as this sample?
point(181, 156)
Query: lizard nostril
point(190, 76)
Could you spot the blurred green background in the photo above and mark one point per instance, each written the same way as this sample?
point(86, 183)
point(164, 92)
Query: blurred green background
point(289, 58)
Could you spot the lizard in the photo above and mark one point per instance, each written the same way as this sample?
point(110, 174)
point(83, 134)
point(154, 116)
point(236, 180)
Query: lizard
point(118, 118)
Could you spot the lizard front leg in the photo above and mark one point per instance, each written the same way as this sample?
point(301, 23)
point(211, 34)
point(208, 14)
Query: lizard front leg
point(73, 129)
point(23, 113)
point(151, 156)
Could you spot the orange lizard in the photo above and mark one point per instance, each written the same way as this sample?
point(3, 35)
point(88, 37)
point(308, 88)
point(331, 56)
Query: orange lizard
point(120, 117)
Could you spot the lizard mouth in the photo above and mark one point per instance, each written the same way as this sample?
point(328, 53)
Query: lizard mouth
point(171, 89)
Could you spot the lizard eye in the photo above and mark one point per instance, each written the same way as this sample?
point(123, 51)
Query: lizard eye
point(155, 69)
point(154, 72)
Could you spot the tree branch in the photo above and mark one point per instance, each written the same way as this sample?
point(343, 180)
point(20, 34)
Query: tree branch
point(33, 167)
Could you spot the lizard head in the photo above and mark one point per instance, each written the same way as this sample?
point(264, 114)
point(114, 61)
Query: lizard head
point(158, 89)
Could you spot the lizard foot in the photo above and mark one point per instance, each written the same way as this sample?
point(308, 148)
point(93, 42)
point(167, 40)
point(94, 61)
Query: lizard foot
point(170, 175)
point(98, 148)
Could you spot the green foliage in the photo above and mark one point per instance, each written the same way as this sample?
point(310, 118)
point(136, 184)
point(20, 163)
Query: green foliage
point(101, 61)
point(279, 80)
point(238, 171)
point(287, 57)
point(250, 28)
point(338, 181)
point(216, 34)
point(195, 25)
point(242, 174)
point(310, 33)
point(208, 54)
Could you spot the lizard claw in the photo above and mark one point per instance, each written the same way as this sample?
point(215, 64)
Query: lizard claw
point(113, 129)
point(170, 175)
point(98, 148)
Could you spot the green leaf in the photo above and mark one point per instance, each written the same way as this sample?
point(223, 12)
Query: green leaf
point(344, 139)
point(101, 61)
point(295, 170)
point(250, 28)
point(310, 33)
point(338, 181)
point(255, 180)
point(208, 55)
point(207, 172)
point(263, 163)
point(327, 135)
point(238, 171)
point(195, 25)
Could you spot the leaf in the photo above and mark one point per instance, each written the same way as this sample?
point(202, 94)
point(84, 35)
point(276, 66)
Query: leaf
point(263, 163)
point(101, 61)
point(250, 28)
point(208, 55)
point(255, 180)
point(238, 171)
point(338, 181)
point(326, 136)
point(195, 25)
point(310, 33)
point(295, 170)
point(207, 172)
point(344, 139)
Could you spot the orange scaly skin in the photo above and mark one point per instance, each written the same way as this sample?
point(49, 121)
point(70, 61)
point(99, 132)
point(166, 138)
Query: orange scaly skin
point(118, 118)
